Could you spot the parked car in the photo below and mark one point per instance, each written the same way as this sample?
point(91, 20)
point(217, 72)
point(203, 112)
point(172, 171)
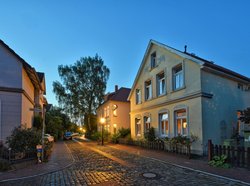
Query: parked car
point(67, 136)
point(49, 137)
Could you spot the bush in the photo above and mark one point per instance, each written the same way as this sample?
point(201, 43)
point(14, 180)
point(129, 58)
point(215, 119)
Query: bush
point(150, 134)
point(22, 140)
point(115, 138)
point(219, 161)
point(124, 132)
point(4, 165)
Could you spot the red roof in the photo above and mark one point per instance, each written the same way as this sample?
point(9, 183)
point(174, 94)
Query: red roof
point(120, 95)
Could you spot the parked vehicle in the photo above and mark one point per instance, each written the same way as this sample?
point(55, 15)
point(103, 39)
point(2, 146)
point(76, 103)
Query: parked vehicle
point(49, 137)
point(67, 136)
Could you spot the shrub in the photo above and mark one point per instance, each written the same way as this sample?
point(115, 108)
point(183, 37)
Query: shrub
point(22, 140)
point(219, 161)
point(150, 134)
point(4, 165)
point(124, 132)
point(115, 138)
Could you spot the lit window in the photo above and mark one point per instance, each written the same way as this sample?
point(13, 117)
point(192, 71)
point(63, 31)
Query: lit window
point(178, 78)
point(153, 60)
point(137, 127)
point(181, 122)
point(114, 128)
point(161, 84)
point(114, 108)
point(147, 122)
point(163, 124)
point(138, 96)
point(148, 90)
point(107, 111)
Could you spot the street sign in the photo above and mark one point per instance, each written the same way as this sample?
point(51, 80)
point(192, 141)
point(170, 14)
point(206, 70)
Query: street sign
point(36, 109)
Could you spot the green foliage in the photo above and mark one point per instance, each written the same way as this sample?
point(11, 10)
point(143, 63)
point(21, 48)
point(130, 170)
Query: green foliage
point(124, 132)
point(38, 122)
point(47, 150)
point(150, 134)
point(219, 161)
point(83, 86)
point(96, 136)
point(22, 140)
point(184, 140)
point(4, 165)
point(57, 122)
point(115, 138)
point(245, 115)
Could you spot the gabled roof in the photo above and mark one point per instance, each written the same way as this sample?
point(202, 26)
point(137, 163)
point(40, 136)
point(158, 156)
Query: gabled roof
point(119, 95)
point(30, 70)
point(186, 55)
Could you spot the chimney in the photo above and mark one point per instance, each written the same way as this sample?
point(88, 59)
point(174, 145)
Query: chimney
point(185, 48)
point(116, 88)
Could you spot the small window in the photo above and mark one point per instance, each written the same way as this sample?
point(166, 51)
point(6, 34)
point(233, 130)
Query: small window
point(138, 96)
point(137, 127)
point(107, 111)
point(240, 86)
point(147, 122)
point(114, 108)
point(148, 90)
point(163, 124)
point(178, 78)
point(153, 60)
point(161, 84)
point(181, 122)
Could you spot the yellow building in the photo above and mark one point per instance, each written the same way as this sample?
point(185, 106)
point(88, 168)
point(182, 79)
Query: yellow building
point(115, 110)
point(179, 93)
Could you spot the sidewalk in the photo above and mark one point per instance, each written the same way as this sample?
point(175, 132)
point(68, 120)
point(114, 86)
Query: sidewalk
point(199, 165)
point(59, 159)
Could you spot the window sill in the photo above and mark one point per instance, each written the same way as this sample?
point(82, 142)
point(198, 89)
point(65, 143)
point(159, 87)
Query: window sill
point(161, 95)
point(176, 90)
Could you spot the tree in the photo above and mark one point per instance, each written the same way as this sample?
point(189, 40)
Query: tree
point(83, 87)
point(57, 122)
point(245, 115)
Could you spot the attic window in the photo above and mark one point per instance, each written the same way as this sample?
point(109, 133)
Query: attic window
point(153, 60)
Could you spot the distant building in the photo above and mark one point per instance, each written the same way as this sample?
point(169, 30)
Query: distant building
point(115, 110)
point(22, 91)
point(179, 93)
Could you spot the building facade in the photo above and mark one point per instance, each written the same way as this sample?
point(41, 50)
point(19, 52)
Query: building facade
point(21, 90)
point(115, 110)
point(179, 93)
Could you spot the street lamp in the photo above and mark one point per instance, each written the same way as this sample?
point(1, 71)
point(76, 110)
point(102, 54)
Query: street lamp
point(102, 121)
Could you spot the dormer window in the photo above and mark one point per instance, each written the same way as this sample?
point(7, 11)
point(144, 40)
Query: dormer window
point(153, 60)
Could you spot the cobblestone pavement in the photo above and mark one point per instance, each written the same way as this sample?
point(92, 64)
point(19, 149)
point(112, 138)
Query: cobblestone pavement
point(102, 165)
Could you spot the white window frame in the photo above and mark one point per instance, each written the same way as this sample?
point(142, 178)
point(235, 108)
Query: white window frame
point(138, 126)
point(181, 118)
point(147, 122)
point(148, 90)
point(160, 83)
point(163, 133)
point(178, 77)
point(138, 96)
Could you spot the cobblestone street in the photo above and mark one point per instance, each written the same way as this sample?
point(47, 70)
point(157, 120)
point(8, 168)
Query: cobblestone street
point(103, 165)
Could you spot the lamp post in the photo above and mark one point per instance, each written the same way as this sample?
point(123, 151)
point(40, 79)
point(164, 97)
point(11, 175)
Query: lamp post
point(102, 121)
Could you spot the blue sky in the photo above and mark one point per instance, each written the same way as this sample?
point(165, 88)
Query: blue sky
point(49, 33)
